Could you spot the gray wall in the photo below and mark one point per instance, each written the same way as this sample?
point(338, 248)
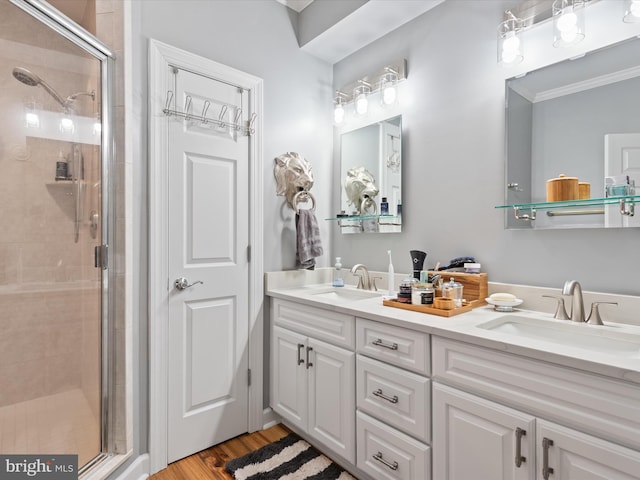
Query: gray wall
point(454, 164)
point(258, 38)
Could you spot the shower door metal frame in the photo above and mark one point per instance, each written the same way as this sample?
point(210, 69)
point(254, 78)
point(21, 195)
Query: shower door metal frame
point(61, 24)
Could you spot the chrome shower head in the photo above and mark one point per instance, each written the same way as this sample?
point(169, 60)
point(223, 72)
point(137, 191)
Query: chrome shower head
point(25, 76)
point(31, 79)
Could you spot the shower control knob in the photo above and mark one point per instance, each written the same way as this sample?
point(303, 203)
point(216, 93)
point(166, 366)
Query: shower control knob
point(182, 283)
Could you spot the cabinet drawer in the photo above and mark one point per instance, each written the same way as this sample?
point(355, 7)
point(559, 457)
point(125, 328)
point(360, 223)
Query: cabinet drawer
point(602, 406)
point(399, 346)
point(387, 454)
point(397, 397)
point(332, 327)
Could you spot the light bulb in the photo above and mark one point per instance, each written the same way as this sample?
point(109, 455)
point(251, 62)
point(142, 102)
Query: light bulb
point(338, 114)
point(389, 94)
point(568, 21)
point(509, 56)
point(362, 104)
point(511, 42)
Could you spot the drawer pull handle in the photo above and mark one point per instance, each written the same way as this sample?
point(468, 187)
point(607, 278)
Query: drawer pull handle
point(390, 346)
point(378, 393)
point(546, 469)
point(309, 364)
point(300, 360)
point(519, 458)
point(392, 466)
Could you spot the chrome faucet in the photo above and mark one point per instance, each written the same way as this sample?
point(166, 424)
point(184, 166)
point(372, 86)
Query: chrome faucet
point(364, 281)
point(572, 287)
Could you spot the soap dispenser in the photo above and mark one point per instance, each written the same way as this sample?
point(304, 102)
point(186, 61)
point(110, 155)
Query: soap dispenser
point(338, 279)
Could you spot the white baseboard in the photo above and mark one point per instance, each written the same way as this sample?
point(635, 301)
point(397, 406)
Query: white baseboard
point(269, 418)
point(138, 470)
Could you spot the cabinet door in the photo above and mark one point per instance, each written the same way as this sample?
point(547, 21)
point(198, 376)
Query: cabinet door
point(289, 376)
point(476, 438)
point(572, 455)
point(332, 397)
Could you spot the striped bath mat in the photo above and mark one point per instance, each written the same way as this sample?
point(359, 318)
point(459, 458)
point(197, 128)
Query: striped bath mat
point(289, 458)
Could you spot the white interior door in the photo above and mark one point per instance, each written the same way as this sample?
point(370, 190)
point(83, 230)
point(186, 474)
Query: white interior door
point(622, 157)
point(208, 229)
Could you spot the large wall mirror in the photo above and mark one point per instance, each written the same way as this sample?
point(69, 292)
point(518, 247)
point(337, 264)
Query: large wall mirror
point(371, 178)
point(580, 118)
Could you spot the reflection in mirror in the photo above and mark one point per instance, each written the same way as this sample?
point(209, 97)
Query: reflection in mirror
point(578, 118)
point(371, 177)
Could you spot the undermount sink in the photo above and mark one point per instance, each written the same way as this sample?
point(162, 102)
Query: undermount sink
point(345, 293)
point(563, 332)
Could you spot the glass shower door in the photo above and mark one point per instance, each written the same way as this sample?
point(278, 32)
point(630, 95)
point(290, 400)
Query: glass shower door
point(51, 291)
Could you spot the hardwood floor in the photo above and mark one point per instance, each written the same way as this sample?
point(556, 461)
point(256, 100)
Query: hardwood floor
point(209, 464)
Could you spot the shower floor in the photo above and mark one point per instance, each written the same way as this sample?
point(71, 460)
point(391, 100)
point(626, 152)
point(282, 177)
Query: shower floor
point(57, 424)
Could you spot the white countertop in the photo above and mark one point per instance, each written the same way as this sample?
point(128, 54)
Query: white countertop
point(464, 327)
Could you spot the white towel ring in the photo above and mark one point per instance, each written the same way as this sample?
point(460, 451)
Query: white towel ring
point(303, 196)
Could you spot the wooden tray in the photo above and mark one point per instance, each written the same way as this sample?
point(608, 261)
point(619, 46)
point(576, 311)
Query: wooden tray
point(430, 309)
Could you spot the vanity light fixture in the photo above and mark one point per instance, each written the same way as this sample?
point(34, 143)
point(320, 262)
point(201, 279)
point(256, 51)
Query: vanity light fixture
point(338, 111)
point(360, 94)
point(631, 11)
point(510, 40)
point(568, 22)
point(388, 91)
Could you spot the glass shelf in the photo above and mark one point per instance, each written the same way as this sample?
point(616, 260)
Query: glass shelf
point(591, 202)
point(389, 218)
point(527, 211)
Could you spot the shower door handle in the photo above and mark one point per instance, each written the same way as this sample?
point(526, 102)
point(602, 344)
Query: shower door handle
point(182, 283)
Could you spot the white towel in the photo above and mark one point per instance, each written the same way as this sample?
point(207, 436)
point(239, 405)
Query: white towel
point(309, 245)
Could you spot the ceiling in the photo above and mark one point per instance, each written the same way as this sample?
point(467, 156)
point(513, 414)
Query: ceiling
point(371, 21)
point(297, 5)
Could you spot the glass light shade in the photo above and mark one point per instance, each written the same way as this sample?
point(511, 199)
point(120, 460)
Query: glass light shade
point(338, 114)
point(388, 90)
point(510, 43)
point(631, 11)
point(31, 117)
point(67, 125)
point(568, 22)
point(360, 98)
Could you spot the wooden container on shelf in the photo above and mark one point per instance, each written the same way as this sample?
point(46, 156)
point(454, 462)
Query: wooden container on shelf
point(562, 188)
point(584, 189)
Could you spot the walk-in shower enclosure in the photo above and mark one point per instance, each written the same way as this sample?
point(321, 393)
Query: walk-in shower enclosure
point(55, 156)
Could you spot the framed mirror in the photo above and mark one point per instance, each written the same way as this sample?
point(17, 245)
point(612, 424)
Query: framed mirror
point(578, 118)
point(371, 178)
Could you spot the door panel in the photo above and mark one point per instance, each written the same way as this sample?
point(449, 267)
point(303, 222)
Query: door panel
point(577, 456)
point(475, 438)
point(289, 376)
point(207, 237)
point(332, 397)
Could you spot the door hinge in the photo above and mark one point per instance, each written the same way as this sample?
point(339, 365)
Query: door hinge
point(101, 256)
point(248, 253)
point(249, 377)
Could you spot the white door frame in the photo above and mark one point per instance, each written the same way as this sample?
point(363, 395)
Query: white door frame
point(161, 57)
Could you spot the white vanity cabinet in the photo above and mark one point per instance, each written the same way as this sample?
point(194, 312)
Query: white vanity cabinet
point(394, 401)
point(313, 373)
point(503, 417)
